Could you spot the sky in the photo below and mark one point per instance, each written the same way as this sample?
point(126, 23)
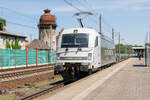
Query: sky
point(129, 17)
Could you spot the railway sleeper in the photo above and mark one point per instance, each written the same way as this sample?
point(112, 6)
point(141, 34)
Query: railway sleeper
point(29, 79)
point(23, 73)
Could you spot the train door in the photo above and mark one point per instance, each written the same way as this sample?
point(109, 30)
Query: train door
point(96, 53)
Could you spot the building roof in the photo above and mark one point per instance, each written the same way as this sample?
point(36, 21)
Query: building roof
point(38, 44)
point(11, 34)
point(47, 18)
point(27, 43)
point(138, 48)
point(57, 37)
point(147, 44)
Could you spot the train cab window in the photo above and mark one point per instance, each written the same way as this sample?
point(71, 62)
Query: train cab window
point(96, 42)
point(75, 40)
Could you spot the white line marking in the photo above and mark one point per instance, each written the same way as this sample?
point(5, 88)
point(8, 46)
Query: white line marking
point(85, 93)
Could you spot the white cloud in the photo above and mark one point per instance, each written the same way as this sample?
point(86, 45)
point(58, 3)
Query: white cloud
point(129, 5)
point(132, 5)
point(132, 15)
point(137, 8)
point(67, 9)
point(129, 2)
point(63, 9)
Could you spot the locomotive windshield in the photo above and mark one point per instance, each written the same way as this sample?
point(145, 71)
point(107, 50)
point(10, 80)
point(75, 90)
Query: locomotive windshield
point(75, 40)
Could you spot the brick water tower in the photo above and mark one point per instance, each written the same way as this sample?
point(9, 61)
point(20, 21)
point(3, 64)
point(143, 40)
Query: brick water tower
point(47, 29)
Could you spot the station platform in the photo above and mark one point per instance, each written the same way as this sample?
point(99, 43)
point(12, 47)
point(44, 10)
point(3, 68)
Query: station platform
point(128, 80)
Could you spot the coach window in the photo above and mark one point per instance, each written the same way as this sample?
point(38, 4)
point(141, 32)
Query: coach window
point(96, 42)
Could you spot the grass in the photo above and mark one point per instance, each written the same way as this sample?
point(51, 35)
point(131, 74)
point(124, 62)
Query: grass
point(41, 84)
point(32, 88)
point(8, 96)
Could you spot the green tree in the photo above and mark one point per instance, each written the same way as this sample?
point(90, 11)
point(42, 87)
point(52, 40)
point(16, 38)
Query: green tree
point(12, 45)
point(2, 23)
point(7, 44)
point(15, 45)
point(124, 49)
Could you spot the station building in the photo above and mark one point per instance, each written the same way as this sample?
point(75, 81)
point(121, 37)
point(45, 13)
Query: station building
point(138, 50)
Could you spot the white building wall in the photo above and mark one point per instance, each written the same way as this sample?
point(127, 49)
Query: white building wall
point(3, 39)
point(49, 37)
point(21, 43)
point(1, 43)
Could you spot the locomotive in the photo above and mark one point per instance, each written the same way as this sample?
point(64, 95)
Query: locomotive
point(83, 50)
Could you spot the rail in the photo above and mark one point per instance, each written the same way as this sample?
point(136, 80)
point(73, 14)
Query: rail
point(9, 79)
point(42, 91)
point(50, 88)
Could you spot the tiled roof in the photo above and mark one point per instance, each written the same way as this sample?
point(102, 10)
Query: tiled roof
point(11, 34)
point(38, 44)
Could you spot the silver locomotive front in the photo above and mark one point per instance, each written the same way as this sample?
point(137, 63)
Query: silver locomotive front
point(73, 52)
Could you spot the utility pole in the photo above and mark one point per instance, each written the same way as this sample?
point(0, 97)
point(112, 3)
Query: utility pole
point(149, 34)
point(146, 38)
point(100, 23)
point(113, 35)
point(119, 45)
point(31, 37)
point(126, 49)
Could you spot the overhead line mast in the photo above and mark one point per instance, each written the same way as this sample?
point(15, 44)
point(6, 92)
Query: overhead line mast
point(100, 24)
point(113, 35)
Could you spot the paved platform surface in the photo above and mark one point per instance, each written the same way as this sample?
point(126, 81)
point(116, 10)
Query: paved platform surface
point(128, 80)
point(131, 83)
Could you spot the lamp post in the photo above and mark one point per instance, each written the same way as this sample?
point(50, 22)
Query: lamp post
point(118, 33)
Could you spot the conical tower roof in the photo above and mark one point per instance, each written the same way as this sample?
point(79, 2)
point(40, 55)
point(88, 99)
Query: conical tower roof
point(47, 18)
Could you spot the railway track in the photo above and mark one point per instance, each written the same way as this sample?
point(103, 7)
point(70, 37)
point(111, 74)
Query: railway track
point(8, 75)
point(23, 68)
point(48, 89)
point(10, 79)
point(42, 91)
point(13, 78)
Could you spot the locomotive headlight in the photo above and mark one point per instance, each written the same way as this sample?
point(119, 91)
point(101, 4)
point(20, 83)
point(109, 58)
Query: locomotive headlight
point(89, 56)
point(58, 56)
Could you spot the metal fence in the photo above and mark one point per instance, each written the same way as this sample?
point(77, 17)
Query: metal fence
point(16, 58)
